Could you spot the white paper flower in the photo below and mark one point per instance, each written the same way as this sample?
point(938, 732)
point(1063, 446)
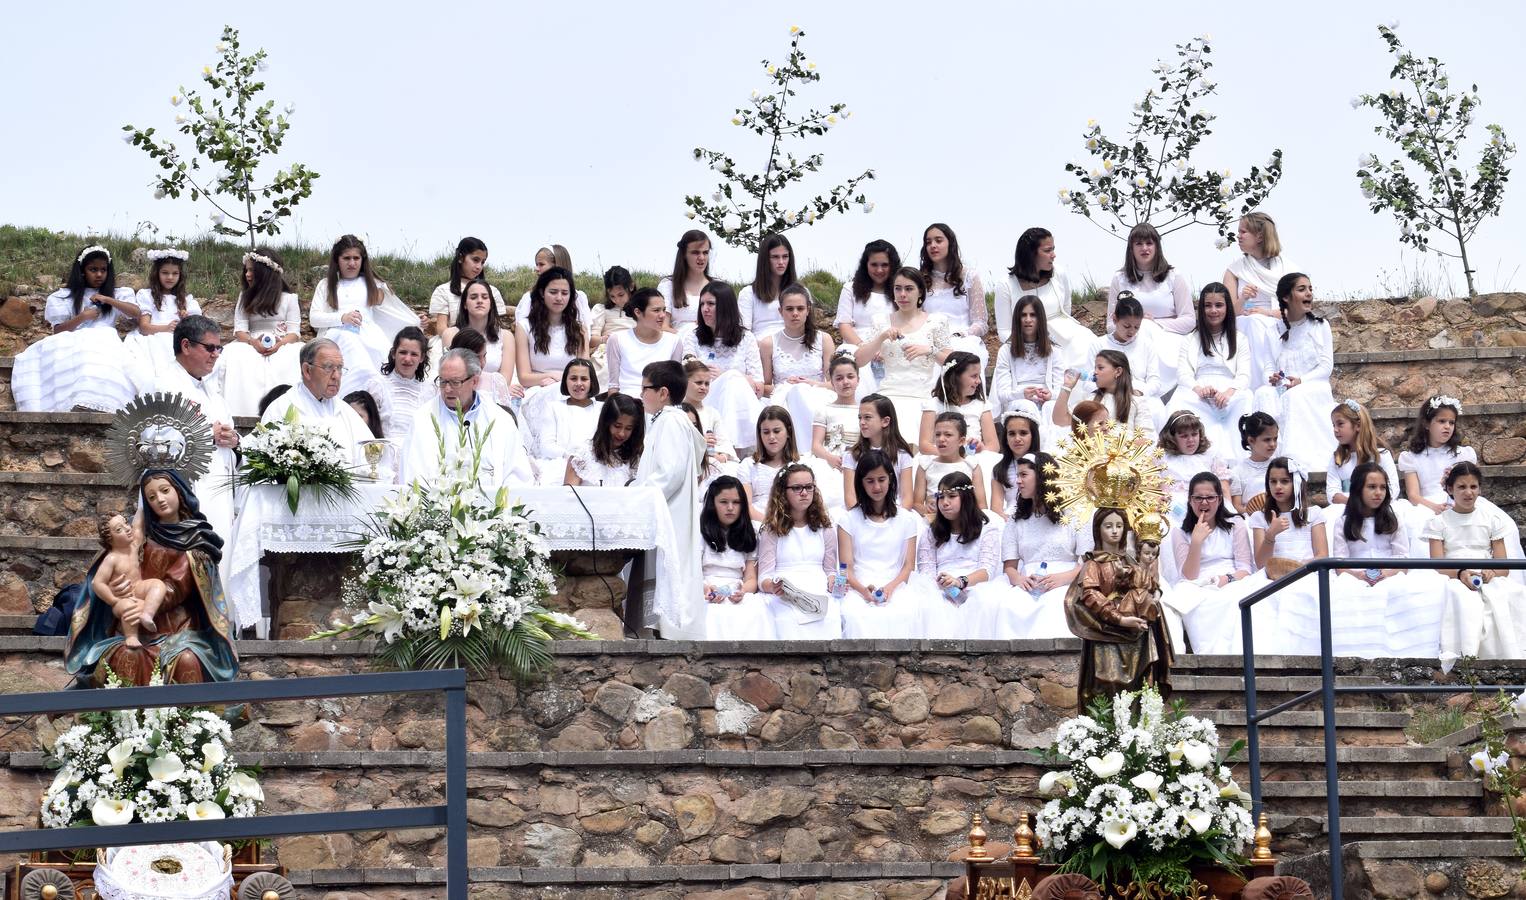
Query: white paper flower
point(159, 193)
point(1197, 754)
point(1107, 165)
point(166, 768)
point(736, 120)
point(1107, 766)
point(1149, 782)
point(1104, 200)
point(242, 784)
point(1356, 102)
point(262, 65)
point(216, 217)
point(1119, 832)
point(204, 810)
point(1518, 705)
point(180, 119)
point(176, 99)
point(1092, 143)
point(1393, 24)
point(1368, 190)
point(127, 138)
point(1198, 820)
point(112, 811)
point(794, 29)
point(689, 214)
point(1141, 181)
point(291, 109)
point(220, 47)
point(1432, 113)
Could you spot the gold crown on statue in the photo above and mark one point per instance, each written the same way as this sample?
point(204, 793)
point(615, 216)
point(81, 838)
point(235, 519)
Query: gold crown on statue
point(159, 431)
point(1114, 467)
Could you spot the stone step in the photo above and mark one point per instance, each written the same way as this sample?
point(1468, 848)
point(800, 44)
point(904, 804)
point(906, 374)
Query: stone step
point(1423, 799)
point(1477, 374)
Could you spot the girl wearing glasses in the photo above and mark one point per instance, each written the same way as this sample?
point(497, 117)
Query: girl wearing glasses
point(960, 551)
point(797, 544)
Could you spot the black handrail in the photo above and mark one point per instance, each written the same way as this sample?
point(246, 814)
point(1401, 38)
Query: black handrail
point(452, 815)
point(1321, 569)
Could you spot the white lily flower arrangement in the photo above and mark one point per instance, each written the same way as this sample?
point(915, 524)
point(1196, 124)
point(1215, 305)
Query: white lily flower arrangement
point(1141, 795)
point(450, 576)
point(147, 765)
point(296, 456)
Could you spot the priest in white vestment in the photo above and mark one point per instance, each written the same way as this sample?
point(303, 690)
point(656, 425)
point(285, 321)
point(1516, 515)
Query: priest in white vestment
point(323, 367)
point(504, 461)
point(670, 461)
point(198, 344)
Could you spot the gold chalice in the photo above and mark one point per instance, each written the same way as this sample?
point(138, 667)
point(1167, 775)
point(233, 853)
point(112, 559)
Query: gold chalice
point(374, 450)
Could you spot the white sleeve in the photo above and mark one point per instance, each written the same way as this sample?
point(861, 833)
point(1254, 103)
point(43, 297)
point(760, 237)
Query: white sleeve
point(240, 318)
point(192, 308)
point(1332, 478)
point(1001, 379)
point(145, 301)
point(1326, 366)
point(321, 314)
point(1386, 463)
point(845, 303)
point(1004, 302)
point(612, 361)
point(59, 308)
point(990, 549)
point(1186, 372)
point(980, 320)
point(291, 309)
point(1241, 363)
point(440, 302)
point(745, 301)
point(752, 359)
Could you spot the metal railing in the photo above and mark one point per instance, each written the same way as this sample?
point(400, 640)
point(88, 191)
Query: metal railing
point(451, 815)
point(1321, 569)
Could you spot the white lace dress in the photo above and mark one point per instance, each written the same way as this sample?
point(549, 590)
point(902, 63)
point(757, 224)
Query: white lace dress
point(731, 393)
point(1431, 466)
point(739, 617)
point(879, 553)
point(947, 617)
point(86, 367)
point(1001, 611)
point(407, 396)
point(965, 311)
point(1406, 608)
point(759, 479)
point(808, 559)
point(247, 375)
point(861, 316)
point(594, 472)
point(908, 382)
point(155, 353)
point(1303, 412)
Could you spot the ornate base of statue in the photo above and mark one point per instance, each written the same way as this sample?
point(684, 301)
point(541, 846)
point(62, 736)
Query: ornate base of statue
point(72, 876)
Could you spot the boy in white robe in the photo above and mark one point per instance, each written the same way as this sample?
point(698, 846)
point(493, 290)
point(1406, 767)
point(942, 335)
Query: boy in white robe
point(670, 461)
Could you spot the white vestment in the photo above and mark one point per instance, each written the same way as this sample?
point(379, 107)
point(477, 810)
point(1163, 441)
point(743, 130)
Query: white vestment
point(503, 462)
point(343, 424)
point(670, 461)
point(214, 490)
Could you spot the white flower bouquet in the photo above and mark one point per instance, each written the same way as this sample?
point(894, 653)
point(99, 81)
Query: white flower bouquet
point(298, 456)
point(147, 765)
point(1141, 798)
point(450, 576)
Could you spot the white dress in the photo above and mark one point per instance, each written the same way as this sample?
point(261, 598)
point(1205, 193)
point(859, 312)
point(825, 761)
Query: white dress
point(443, 302)
point(678, 316)
point(1430, 466)
point(537, 407)
point(594, 472)
point(1069, 337)
point(762, 319)
point(908, 382)
point(965, 311)
point(933, 471)
point(1169, 316)
point(1011, 376)
point(1356, 620)
point(1211, 614)
point(861, 316)
point(1490, 622)
point(155, 353)
point(744, 617)
point(248, 375)
point(1260, 333)
point(1144, 371)
point(789, 358)
point(406, 396)
point(552, 435)
point(879, 553)
point(1217, 370)
point(808, 559)
point(946, 618)
point(1303, 412)
point(1408, 605)
point(903, 468)
point(1001, 611)
point(759, 478)
point(1249, 479)
point(86, 367)
point(1338, 481)
point(628, 355)
point(731, 393)
point(1181, 470)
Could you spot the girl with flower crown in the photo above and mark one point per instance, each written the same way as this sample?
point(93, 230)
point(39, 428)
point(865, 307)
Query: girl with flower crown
point(267, 332)
point(81, 364)
point(960, 550)
point(950, 435)
point(161, 306)
point(1433, 446)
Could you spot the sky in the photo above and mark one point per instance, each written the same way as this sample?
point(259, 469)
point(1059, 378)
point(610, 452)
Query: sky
point(574, 122)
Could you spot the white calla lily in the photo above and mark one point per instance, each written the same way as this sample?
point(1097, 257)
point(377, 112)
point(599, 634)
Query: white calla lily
point(1117, 833)
point(204, 811)
point(1056, 783)
point(1107, 766)
point(112, 811)
point(212, 755)
point(60, 781)
point(1197, 753)
point(119, 756)
point(166, 768)
point(1198, 820)
point(242, 784)
point(1149, 782)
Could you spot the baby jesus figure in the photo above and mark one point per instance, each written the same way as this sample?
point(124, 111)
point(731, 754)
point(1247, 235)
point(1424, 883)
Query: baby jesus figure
point(136, 606)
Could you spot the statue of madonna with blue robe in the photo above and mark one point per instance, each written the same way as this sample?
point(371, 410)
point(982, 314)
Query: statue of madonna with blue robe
point(191, 641)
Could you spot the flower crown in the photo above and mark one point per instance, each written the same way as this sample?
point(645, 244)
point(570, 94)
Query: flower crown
point(93, 248)
point(167, 253)
point(1352, 405)
point(1441, 400)
point(265, 261)
point(956, 489)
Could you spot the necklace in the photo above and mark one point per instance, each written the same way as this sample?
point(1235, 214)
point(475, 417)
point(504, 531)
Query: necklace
point(792, 338)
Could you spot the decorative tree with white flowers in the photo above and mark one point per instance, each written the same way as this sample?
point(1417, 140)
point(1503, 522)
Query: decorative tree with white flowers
point(232, 136)
point(745, 208)
point(1429, 123)
point(1149, 176)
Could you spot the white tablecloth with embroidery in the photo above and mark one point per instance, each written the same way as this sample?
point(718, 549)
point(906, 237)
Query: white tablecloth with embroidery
point(616, 518)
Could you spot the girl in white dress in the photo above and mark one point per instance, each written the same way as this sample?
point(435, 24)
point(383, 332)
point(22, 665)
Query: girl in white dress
point(797, 543)
point(1406, 604)
point(468, 264)
point(734, 609)
point(1163, 293)
point(552, 334)
point(1213, 557)
point(877, 430)
point(1114, 391)
point(759, 302)
point(1356, 442)
point(724, 344)
point(1287, 533)
point(1485, 612)
point(794, 360)
point(1187, 450)
point(912, 344)
point(1252, 284)
point(1258, 438)
point(82, 363)
point(1213, 371)
point(774, 448)
point(1034, 272)
point(554, 256)
point(267, 335)
point(877, 540)
point(611, 457)
point(719, 446)
point(563, 423)
point(960, 551)
point(1020, 437)
point(863, 298)
point(961, 389)
point(476, 313)
point(359, 312)
point(834, 426)
point(1041, 557)
point(161, 306)
point(949, 436)
point(609, 316)
point(1027, 365)
point(491, 384)
point(691, 272)
point(954, 291)
point(1298, 392)
point(630, 351)
point(406, 382)
point(1137, 345)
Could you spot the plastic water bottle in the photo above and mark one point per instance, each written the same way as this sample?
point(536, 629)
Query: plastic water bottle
point(724, 592)
point(1373, 574)
point(1282, 382)
point(973, 445)
point(879, 597)
point(1038, 590)
point(951, 592)
point(709, 450)
point(1476, 580)
point(840, 582)
point(877, 368)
